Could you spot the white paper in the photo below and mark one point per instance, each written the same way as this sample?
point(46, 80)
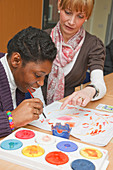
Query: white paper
point(89, 125)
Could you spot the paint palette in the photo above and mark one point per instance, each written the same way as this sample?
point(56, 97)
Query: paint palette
point(38, 151)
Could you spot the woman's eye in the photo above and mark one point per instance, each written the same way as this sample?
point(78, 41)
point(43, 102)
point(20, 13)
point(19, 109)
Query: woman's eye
point(81, 16)
point(68, 12)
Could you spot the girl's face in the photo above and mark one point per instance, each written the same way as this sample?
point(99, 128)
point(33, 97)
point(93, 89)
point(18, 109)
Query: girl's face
point(30, 76)
point(70, 22)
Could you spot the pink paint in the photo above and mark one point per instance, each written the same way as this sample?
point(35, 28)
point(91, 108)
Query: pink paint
point(85, 125)
point(104, 123)
point(64, 118)
point(111, 121)
point(46, 138)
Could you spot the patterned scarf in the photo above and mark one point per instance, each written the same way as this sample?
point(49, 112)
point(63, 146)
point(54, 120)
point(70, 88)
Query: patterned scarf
point(65, 54)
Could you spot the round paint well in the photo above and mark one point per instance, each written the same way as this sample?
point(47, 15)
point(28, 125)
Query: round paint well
point(33, 151)
point(82, 164)
point(24, 134)
point(91, 153)
point(11, 144)
point(56, 158)
point(67, 146)
point(45, 139)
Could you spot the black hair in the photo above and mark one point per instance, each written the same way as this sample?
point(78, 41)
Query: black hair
point(33, 45)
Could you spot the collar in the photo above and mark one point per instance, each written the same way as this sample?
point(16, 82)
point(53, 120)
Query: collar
point(8, 72)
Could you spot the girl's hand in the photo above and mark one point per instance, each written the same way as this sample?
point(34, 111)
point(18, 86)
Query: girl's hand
point(27, 111)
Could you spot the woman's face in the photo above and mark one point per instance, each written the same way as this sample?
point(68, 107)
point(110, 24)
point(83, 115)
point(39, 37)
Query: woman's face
point(70, 22)
point(32, 75)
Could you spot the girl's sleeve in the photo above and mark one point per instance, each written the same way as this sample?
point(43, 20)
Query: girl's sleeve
point(4, 124)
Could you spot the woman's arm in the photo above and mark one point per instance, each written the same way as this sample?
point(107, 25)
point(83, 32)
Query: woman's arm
point(97, 79)
point(84, 96)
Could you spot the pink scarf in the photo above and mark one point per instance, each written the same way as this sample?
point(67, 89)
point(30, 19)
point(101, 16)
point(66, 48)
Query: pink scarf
point(65, 54)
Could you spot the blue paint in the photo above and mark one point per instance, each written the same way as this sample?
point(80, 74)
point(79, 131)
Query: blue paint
point(11, 144)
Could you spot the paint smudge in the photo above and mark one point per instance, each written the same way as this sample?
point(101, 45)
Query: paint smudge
point(66, 118)
point(71, 124)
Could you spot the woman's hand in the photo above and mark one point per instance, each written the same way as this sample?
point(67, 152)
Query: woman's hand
point(81, 98)
point(27, 111)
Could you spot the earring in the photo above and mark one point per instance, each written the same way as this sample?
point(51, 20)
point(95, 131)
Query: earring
point(58, 11)
point(86, 20)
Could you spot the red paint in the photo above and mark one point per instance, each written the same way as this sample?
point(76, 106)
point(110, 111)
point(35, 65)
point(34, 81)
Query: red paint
point(25, 134)
point(56, 158)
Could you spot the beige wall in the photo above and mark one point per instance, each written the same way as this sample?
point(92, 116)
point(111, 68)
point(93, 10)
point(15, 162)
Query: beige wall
point(16, 15)
point(98, 21)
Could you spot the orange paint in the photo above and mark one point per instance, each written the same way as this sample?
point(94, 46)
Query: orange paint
point(96, 131)
point(105, 115)
point(59, 131)
point(50, 123)
point(76, 116)
point(81, 110)
point(85, 124)
point(100, 131)
point(75, 113)
point(86, 114)
point(91, 152)
point(49, 113)
point(97, 123)
point(90, 117)
point(87, 110)
point(70, 107)
point(106, 121)
point(71, 124)
point(90, 128)
point(100, 126)
point(42, 120)
point(103, 131)
point(32, 150)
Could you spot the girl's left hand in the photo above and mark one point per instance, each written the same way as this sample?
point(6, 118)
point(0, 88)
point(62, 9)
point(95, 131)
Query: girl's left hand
point(81, 98)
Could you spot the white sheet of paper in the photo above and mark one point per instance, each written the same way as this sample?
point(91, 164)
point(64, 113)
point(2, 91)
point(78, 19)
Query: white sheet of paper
point(89, 125)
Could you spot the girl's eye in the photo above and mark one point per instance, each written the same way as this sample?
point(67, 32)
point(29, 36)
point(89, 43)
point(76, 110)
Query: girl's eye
point(37, 76)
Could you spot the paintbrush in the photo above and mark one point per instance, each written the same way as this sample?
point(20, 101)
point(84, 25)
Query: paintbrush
point(33, 97)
